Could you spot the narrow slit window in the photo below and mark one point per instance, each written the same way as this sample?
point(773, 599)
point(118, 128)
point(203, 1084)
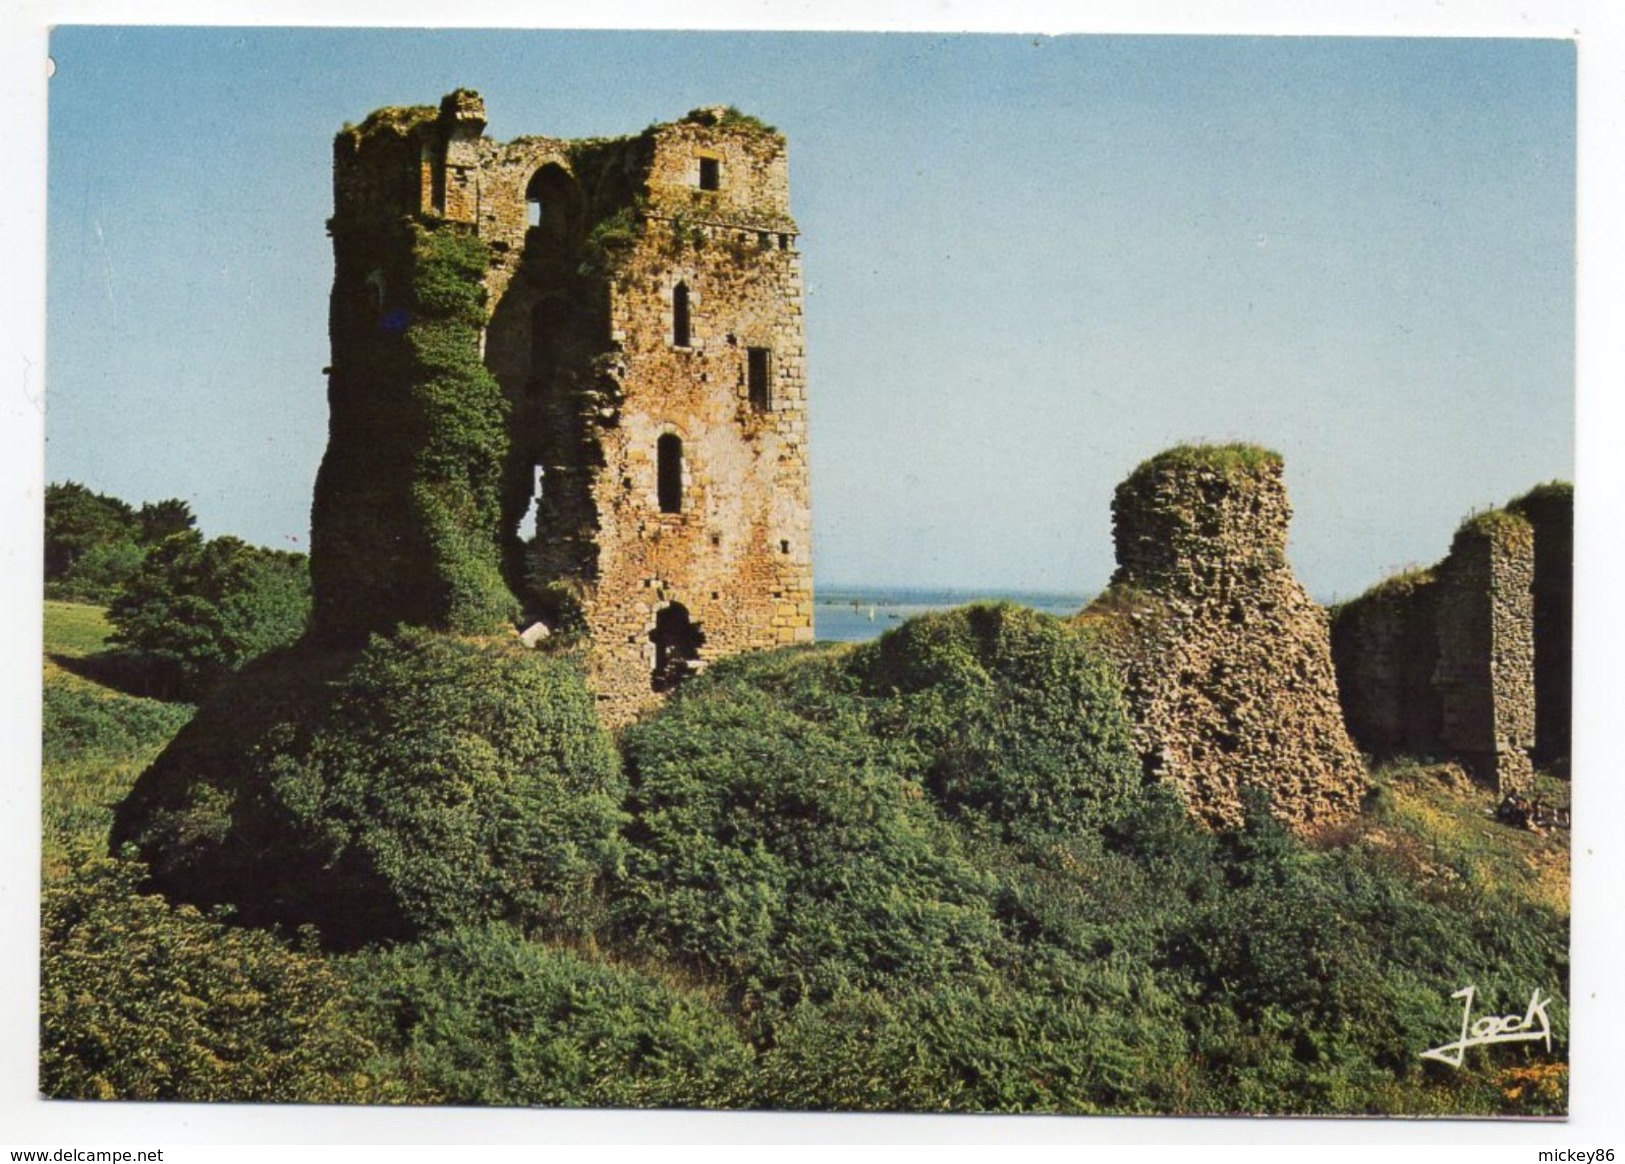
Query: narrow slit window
point(758, 366)
point(533, 511)
point(669, 473)
point(710, 174)
point(679, 316)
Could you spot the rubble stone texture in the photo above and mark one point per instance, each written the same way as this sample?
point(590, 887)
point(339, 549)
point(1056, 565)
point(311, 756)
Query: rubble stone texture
point(1549, 509)
point(1486, 671)
point(1385, 646)
point(1453, 661)
point(645, 325)
point(1225, 659)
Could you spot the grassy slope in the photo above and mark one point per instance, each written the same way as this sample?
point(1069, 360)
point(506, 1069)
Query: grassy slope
point(1443, 829)
point(81, 784)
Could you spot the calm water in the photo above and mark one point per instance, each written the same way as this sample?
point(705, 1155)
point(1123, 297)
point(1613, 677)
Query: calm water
point(856, 614)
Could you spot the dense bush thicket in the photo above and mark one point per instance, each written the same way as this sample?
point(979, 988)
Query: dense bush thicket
point(425, 783)
point(776, 852)
point(143, 1000)
point(1005, 715)
point(928, 878)
point(784, 828)
point(82, 720)
point(483, 1016)
point(94, 543)
point(914, 875)
point(195, 611)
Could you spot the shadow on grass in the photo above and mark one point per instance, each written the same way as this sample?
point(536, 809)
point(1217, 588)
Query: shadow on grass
point(128, 672)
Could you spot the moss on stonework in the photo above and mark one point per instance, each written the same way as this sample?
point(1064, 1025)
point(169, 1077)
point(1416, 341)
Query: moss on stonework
point(1230, 460)
point(1496, 523)
point(456, 488)
point(399, 120)
point(1400, 585)
point(1546, 493)
point(728, 117)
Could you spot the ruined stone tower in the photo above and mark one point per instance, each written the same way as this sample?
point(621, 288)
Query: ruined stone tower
point(1225, 660)
point(642, 316)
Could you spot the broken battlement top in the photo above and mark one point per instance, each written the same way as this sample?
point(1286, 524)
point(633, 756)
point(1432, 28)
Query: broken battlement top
point(1196, 518)
point(714, 166)
point(1495, 525)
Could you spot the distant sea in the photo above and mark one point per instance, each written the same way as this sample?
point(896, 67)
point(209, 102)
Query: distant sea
point(855, 614)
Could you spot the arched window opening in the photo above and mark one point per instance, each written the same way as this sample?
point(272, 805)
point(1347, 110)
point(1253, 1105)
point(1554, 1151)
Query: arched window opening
point(677, 643)
point(669, 473)
point(758, 367)
point(679, 316)
point(552, 203)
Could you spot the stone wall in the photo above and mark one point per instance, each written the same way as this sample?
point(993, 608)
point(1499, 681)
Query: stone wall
point(1225, 659)
point(1451, 662)
point(1385, 646)
point(1549, 509)
point(1486, 672)
point(645, 324)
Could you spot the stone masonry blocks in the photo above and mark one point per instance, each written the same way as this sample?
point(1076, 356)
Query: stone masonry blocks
point(630, 281)
point(1225, 660)
point(1452, 661)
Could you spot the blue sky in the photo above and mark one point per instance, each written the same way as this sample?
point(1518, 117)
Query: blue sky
point(1030, 263)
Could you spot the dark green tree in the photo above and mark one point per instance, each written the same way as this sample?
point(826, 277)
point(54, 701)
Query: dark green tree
point(90, 543)
point(162, 519)
point(197, 610)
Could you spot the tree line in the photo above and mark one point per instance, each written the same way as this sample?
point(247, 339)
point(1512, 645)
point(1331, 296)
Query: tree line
point(186, 610)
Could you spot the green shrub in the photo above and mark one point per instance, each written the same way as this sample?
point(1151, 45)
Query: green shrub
point(141, 1000)
point(481, 1016)
point(430, 782)
point(776, 850)
point(197, 610)
point(1101, 1038)
point(1004, 714)
point(1318, 977)
point(82, 721)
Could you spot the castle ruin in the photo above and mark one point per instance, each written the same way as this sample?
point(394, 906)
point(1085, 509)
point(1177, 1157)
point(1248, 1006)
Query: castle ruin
point(642, 318)
point(1225, 659)
point(1470, 659)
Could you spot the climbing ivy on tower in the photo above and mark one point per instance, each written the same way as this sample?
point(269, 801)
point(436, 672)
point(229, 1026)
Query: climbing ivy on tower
point(456, 475)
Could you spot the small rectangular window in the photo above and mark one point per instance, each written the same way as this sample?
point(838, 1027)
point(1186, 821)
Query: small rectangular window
point(710, 174)
point(758, 365)
point(669, 473)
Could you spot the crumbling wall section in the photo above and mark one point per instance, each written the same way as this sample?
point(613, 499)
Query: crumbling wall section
point(1385, 646)
point(1549, 509)
point(1486, 670)
point(1225, 660)
point(405, 521)
point(1470, 659)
